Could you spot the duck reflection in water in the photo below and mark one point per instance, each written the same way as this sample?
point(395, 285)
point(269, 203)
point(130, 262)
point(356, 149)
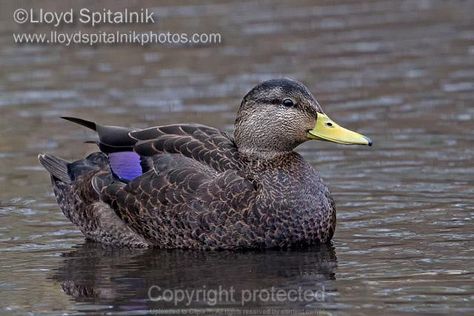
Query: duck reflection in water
point(144, 279)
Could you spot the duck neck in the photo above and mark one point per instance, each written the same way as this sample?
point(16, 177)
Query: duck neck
point(261, 154)
point(263, 146)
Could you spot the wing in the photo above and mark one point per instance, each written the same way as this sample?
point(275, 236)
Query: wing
point(182, 203)
point(184, 190)
point(204, 144)
point(201, 143)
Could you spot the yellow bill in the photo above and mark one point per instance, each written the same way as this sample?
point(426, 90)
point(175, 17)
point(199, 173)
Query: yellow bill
point(327, 130)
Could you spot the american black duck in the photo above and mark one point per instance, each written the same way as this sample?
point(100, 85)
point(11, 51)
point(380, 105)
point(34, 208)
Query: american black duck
point(194, 186)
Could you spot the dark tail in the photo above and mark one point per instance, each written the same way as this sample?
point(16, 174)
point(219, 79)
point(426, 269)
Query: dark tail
point(111, 138)
point(56, 167)
point(88, 124)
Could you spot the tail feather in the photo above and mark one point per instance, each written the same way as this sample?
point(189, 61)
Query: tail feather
point(111, 138)
point(88, 124)
point(56, 167)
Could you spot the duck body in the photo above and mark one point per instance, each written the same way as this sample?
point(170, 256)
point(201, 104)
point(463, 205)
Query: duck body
point(193, 186)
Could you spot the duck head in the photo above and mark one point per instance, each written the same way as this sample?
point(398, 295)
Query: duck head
point(280, 114)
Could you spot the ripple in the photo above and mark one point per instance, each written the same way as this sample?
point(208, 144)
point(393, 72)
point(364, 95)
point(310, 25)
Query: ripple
point(400, 72)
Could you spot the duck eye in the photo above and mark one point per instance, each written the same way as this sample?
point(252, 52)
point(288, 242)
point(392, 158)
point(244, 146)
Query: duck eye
point(288, 102)
point(329, 124)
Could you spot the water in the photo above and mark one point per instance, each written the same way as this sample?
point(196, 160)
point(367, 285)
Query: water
point(401, 72)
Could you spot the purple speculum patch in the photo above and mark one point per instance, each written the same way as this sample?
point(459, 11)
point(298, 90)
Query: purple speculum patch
point(125, 165)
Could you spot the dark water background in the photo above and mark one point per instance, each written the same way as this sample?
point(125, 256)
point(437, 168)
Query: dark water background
point(401, 72)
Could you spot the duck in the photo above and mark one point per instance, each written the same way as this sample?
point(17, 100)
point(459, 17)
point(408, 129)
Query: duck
point(192, 186)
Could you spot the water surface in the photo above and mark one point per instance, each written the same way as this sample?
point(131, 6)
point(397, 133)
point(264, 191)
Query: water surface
point(401, 72)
